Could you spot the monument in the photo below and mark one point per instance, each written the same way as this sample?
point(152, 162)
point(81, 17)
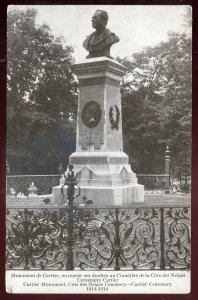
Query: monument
point(104, 174)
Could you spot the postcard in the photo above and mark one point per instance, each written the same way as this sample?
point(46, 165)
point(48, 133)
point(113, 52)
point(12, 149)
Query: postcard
point(98, 149)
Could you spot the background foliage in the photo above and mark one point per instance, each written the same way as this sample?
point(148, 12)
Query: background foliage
point(156, 99)
point(41, 97)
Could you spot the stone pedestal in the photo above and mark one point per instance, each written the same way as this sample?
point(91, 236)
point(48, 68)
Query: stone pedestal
point(105, 177)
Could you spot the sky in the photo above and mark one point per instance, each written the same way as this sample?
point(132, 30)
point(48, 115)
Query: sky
point(137, 26)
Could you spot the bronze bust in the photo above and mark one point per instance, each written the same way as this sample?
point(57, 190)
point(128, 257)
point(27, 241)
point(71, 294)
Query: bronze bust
point(100, 41)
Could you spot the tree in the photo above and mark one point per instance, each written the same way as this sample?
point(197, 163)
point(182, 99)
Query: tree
point(156, 99)
point(41, 97)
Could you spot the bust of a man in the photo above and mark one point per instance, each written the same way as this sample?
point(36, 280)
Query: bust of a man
point(100, 41)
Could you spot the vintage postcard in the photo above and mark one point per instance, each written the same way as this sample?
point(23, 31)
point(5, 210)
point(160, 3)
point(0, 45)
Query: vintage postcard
point(98, 149)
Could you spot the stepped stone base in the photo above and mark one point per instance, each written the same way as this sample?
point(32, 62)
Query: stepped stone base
point(103, 196)
point(110, 182)
point(120, 195)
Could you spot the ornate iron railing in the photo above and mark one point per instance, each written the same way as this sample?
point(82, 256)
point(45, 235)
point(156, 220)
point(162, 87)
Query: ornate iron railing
point(99, 238)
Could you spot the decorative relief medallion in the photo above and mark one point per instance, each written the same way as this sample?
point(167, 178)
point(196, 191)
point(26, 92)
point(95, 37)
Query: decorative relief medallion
point(91, 114)
point(114, 120)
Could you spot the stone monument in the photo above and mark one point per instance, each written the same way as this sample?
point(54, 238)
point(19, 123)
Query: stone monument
point(104, 174)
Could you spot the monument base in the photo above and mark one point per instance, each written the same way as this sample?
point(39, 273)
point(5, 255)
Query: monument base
point(120, 195)
point(105, 178)
point(103, 196)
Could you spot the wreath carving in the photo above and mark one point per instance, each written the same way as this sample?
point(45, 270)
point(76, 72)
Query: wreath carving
point(114, 121)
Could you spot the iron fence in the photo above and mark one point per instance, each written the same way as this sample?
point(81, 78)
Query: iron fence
point(21, 183)
point(98, 238)
point(154, 182)
point(163, 183)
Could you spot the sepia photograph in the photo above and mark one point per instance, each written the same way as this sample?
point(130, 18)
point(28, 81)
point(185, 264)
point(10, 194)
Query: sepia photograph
point(98, 154)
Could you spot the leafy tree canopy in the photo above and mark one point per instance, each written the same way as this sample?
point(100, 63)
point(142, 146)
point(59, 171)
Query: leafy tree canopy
point(156, 103)
point(41, 95)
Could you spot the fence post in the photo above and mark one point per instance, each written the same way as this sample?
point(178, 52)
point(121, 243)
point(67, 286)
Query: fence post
point(167, 171)
point(71, 182)
point(162, 240)
point(117, 241)
point(70, 238)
